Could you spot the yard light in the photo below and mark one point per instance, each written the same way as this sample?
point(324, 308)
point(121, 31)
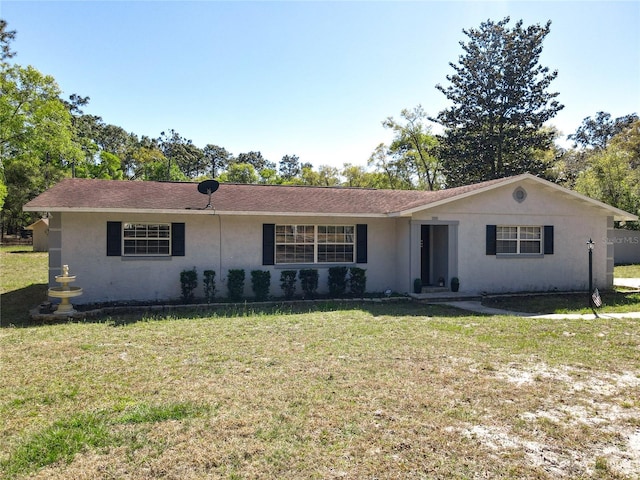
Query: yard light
point(590, 246)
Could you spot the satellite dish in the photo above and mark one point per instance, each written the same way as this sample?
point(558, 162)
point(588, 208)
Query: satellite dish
point(207, 188)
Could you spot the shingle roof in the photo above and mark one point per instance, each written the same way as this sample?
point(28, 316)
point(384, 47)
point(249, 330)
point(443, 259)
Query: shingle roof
point(89, 195)
point(76, 194)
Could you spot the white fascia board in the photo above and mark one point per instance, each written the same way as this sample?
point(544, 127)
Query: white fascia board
point(203, 211)
point(409, 212)
point(297, 214)
point(619, 215)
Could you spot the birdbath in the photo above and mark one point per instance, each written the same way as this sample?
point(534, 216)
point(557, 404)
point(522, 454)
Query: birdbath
point(65, 292)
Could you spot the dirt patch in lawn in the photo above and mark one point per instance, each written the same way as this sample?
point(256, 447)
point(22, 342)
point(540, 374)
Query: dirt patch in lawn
point(607, 402)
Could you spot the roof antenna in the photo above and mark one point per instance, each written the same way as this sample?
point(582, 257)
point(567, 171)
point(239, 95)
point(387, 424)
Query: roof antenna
point(207, 188)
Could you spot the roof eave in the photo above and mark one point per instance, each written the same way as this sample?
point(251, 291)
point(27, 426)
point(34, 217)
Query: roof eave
point(200, 211)
point(444, 201)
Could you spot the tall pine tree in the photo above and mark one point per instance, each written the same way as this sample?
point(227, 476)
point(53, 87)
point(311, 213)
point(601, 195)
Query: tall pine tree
point(500, 103)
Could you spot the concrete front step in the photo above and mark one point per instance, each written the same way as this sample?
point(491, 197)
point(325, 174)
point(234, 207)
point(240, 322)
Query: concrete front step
point(445, 295)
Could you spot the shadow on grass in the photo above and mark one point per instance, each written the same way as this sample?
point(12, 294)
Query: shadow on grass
point(562, 303)
point(405, 308)
point(15, 305)
point(140, 313)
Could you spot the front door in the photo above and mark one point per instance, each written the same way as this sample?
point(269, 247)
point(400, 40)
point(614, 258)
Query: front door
point(425, 254)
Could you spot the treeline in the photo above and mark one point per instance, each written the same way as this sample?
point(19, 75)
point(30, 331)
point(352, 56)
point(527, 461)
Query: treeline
point(495, 127)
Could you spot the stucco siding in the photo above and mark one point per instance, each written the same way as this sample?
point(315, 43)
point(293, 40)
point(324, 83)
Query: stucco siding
point(405, 256)
point(574, 223)
point(242, 248)
point(105, 278)
point(213, 242)
point(457, 247)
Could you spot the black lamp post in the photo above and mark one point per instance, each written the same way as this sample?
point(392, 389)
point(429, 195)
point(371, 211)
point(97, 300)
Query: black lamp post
point(590, 246)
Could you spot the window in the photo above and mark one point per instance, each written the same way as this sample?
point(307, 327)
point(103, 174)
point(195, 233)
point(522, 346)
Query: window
point(314, 243)
point(146, 238)
point(335, 244)
point(518, 240)
point(295, 243)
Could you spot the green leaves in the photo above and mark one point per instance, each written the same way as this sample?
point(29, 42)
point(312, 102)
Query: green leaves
point(500, 103)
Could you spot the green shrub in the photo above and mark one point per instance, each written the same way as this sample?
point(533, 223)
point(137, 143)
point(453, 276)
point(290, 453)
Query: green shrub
point(357, 281)
point(209, 285)
point(337, 281)
point(308, 281)
point(288, 283)
point(260, 282)
point(188, 283)
point(235, 284)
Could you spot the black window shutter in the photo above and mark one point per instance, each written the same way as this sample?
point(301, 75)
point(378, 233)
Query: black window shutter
point(268, 243)
point(491, 240)
point(177, 239)
point(114, 240)
point(548, 239)
point(361, 243)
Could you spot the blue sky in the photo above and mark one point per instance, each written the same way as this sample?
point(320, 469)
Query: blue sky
point(309, 78)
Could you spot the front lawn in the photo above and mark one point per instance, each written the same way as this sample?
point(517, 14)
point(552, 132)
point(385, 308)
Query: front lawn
point(375, 391)
point(395, 391)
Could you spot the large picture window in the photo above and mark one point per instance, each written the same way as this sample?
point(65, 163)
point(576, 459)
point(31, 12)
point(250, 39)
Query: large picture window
point(146, 238)
point(314, 243)
point(518, 240)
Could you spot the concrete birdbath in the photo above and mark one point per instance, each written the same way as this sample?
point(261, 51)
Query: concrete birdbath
point(65, 292)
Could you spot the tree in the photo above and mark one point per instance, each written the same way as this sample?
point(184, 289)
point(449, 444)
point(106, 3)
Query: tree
point(150, 163)
point(596, 132)
point(35, 137)
point(612, 174)
point(108, 168)
point(326, 176)
point(6, 37)
point(256, 159)
point(183, 153)
point(217, 159)
point(414, 148)
point(240, 173)
point(500, 103)
point(357, 176)
point(397, 175)
point(290, 167)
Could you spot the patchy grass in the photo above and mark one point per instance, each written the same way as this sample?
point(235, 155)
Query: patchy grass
point(615, 301)
point(387, 391)
point(398, 390)
point(23, 283)
point(612, 301)
point(627, 271)
point(63, 440)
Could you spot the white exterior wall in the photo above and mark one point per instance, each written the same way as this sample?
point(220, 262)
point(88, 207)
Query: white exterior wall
point(117, 278)
point(566, 269)
point(104, 278)
point(406, 256)
point(225, 242)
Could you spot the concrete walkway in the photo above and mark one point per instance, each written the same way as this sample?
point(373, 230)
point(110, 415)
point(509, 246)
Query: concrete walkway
point(477, 307)
point(627, 282)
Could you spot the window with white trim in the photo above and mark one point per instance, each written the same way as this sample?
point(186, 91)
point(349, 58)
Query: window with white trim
point(314, 243)
point(146, 239)
point(518, 240)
